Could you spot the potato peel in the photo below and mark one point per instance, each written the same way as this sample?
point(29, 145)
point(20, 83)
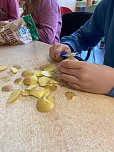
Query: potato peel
point(14, 70)
point(30, 80)
point(44, 105)
point(3, 68)
point(14, 96)
point(70, 95)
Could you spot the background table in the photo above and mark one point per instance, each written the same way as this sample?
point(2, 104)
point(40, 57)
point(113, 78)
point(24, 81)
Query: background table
point(83, 125)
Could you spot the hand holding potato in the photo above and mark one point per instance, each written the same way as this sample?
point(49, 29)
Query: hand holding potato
point(56, 49)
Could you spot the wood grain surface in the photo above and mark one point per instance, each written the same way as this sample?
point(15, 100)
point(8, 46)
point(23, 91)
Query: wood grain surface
point(83, 125)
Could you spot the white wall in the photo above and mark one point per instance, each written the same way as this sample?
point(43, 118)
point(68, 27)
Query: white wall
point(68, 3)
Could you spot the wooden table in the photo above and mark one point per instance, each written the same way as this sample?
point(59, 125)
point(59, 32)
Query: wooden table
point(83, 125)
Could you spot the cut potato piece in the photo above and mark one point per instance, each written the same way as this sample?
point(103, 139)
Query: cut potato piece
point(44, 105)
point(14, 95)
point(5, 79)
point(30, 80)
point(32, 86)
point(48, 67)
point(37, 73)
point(25, 93)
point(51, 99)
point(27, 73)
point(7, 88)
point(14, 70)
point(19, 81)
point(70, 95)
point(2, 68)
point(37, 92)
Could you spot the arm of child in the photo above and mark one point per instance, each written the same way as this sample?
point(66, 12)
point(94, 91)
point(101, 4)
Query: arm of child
point(13, 10)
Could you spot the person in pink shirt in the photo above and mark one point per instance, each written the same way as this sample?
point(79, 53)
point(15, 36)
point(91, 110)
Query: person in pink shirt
point(9, 11)
point(47, 17)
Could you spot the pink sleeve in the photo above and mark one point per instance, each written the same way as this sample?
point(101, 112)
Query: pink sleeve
point(13, 9)
point(48, 21)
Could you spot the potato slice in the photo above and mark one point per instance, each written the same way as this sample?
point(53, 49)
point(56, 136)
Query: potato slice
point(43, 81)
point(47, 73)
point(70, 95)
point(7, 88)
point(51, 99)
point(14, 70)
point(27, 73)
point(32, 86)
point(37, 92)
point(2, 68)
point(5, 79)
point(44, 105)
point(14, 96)
point(19, 80)
point(25, 92)
point(37, 73)
point(48, 67)
point(30, 80)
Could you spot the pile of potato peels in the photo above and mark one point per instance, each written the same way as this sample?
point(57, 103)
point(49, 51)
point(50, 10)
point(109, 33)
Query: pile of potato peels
point(39, 83)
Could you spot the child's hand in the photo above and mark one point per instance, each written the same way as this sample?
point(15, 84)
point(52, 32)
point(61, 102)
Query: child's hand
point(86, 76)
point(56, 49)
point(3, 23)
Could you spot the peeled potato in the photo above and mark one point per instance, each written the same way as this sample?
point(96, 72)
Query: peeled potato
point(70, 95)
point(25, 92)
point(27, 73)
point(37, 92)
point(48, 67)
point(30, 80)
point(14, 70)
point(44, 105)
point(43, 81)
point(14, 96)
